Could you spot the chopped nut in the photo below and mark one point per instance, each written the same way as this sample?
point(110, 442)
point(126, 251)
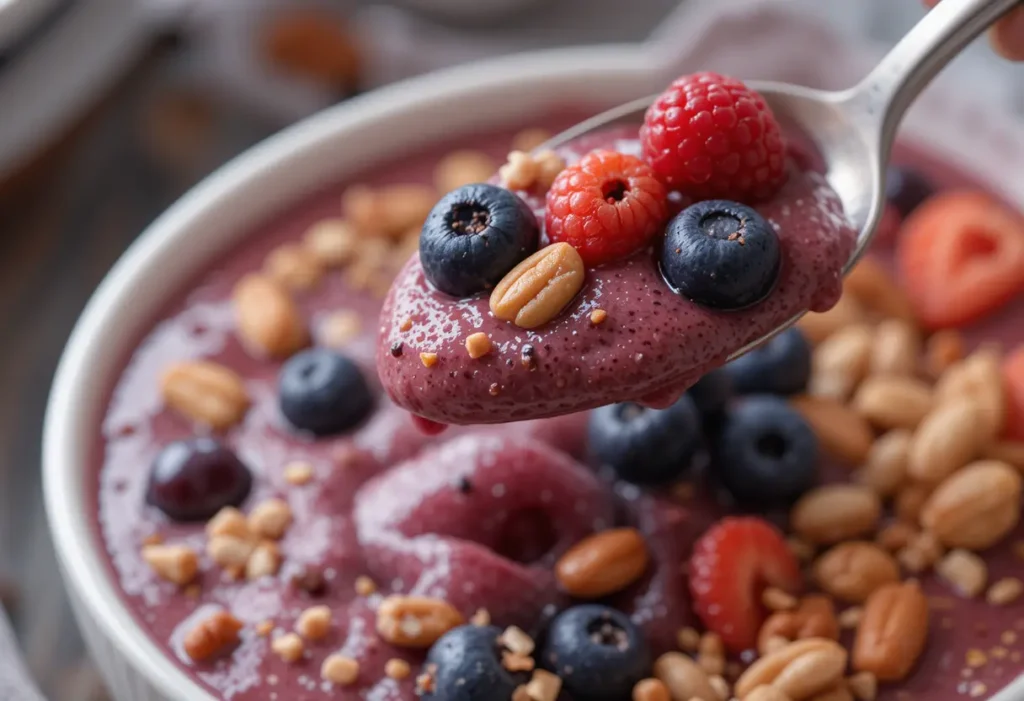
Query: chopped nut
point(294, 267)
point(711, 644)
point(264, 561)
point(850, 618)
point(298, 473)
point(967, 572)
point(598, 316)
point(314, 623)
point(777, 600)
point(429, 360)
point(863, 685)
point(520, 172)
point(975, 658)
point(212, 636)
point(530, 139)
point(264, 628)
point(543, 686)
point(340, 670)
point(397, 669)
point(515, 662)
point(406, 324)
point(516, 641)
point(1005, 591)
point(229, 551)
point(549, 165)
point(365, 586)
point(651, 690)
point(338, 329)
point(463, 168)
point(688, 639)
point(415, 621)
point(270, 519)
point(228, 521)
point(332, 242)
point(205, 392)
point(478, 345)
point(288, 647)
point(175, 563)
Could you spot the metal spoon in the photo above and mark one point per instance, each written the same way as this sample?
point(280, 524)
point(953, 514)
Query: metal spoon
point(853, 129)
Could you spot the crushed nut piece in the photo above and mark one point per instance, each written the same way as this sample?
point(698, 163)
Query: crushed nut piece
point(863, 685)
point(776, 599)
point(976, 658)
point(598, 316)
point(478, 345)
point(481, 618)
point(340, 670)
point(332, 242)
point(688, 639)
point(515, 662)
point(429, 360)
point(229, 552)
point(264, 561)
point(212, 636)
point(543, 686)
point(967, 572)
point(516, 641)
point(365, 586)
point(314, 623)
point(228, 521)
point(549, 166)
point(270, 519)
point(406, 324)
point(494, 390)
point(1008, 637)
point(338, 329)
point(1005, 591)
point(998, 653)
point(415, 621)
point(175, 563)
point(288, 647)
point(298, 473)
point(651, 690)
point(850, 618)
point(977, 690)
point(425, 681)
point(461, 168)
point(519, 172)
point(711, 644)
point(294, 267)
point(397, 669)
point(264, 628)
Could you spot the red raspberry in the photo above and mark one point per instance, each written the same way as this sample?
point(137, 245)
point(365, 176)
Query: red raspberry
point(731, 565)
point(711, 137)
point(606, 206)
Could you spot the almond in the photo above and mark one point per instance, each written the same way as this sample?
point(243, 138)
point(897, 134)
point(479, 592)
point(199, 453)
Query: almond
point(684, 678)
point(893, 402)
point(267, 320)
point(851, 571)
point(975, 507)
point(538, 289)
point(875, 289)
point(885, 469)
point(603, 564)
point(415, 621)
point(947, 439)
point(836, 512)
point(844, 434)
point(979, 377)
point(814, 617)
point(841, 362)
point(800, 670)
point(892, 631)
point(206, 392)
point(818, 326)
point(896, 349)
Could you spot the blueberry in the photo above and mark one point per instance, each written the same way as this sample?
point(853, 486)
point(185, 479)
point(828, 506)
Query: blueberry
point(766, 455)
point(906, 188)
point(475, 235)
point(597, 651)
point(711, 393)
point(722, 255)
point(191, 480)
point(645, 446)
point(323, 392)
point(780, 366)
point(468, 667)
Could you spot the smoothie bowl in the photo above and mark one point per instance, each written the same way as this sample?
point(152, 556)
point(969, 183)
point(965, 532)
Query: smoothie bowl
point(241, 512)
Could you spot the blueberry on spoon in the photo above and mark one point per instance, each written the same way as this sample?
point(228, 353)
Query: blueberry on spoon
point(474, 236)
point(780, 366)
point(722, 255)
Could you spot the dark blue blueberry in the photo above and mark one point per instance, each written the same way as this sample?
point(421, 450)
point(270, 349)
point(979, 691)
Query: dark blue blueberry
point(780, 366)
point(597, 651)
point(467, 666)
point(191, 480)
point(646, 446)
point(906, 188)
point(323, 392)
point(722, 255)
point(712, 393)
point(766, 455)
point(475, 235)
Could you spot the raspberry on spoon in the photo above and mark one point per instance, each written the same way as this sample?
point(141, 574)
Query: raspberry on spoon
point(606, 206)
point(711, 137)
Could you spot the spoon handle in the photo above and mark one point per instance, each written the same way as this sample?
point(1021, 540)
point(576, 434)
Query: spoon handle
point(885, 94)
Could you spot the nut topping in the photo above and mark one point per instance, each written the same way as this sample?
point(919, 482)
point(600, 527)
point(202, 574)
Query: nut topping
point(892, 631)
point(268, 322)
point(684, 678)
point(843, 433)
point(206, 392)
point(538, 289)
point(836, 512)
point(814, 617)
point(175, 563)
point(415, 621)
point(603, 564)
point(851, 571)
point(212, 636)
point(976, 506)
point(801, 670)
point(947, 439)
point(893, 402)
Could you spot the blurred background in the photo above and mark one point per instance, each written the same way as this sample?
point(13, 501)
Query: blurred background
point(111, 109)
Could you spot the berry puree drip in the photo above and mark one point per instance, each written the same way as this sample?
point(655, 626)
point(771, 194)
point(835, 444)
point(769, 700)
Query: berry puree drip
point(664, 248)
point(834, 516)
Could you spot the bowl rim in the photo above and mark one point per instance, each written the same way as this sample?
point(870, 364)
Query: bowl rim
point(543, 78)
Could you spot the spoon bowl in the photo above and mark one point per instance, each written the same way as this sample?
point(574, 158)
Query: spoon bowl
point(851, 131)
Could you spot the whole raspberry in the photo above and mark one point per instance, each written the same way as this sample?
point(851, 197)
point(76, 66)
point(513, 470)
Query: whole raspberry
point(712, 137)
point(606, 206)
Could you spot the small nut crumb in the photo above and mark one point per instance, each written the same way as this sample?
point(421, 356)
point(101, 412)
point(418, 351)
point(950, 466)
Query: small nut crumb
point(711, 664)
point(598, 316)
point(516, 641)
point(478, 345)
point(1005, 591)
point(270, 519)
point(298, 473)
point(294, 267)
point(460, 168)
point(340, 670)
point(229, 552)
point(406, 324)
point(332, 242)
point(651, 690)
point(977, 689)
point(481, 618)
point(228, 521)
point(415, 621)
point(688, 639)
point(1008, 637)
point(494, 390)
point(863, 685)
point(544, 686)
point(967, 572)
point(397, 669)
point(519, 172)
point(999, 653)
point(339, 329)
point(314, 623)
point(777, 600)
point(549, 166)
point(365, 586)
point(975, 658)
point(515, 662)
point(711, 645)
point(850, 618)
point(175, 563)
point(425, 681)
point(264, 561)
point(212, 636)
point(288, 647)
point(429, 360)
point(264, 628)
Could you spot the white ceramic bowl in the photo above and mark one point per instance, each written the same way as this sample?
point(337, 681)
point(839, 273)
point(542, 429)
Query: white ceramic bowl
point(328, 147)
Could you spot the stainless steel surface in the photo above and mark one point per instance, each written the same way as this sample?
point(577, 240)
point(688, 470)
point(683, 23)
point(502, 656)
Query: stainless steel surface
point(853, 130)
